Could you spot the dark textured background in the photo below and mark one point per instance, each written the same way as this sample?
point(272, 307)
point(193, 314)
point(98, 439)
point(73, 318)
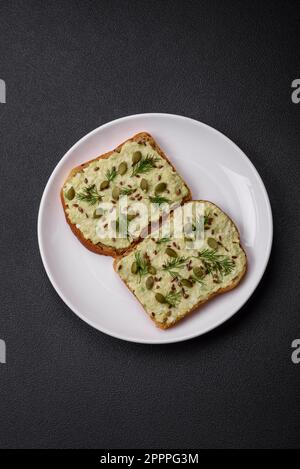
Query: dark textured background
point(70, 67)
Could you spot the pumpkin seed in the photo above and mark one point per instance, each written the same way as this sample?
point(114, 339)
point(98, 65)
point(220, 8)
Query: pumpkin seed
point(160, 298)
point(131, 216)
point(199, 272)
point(134, 268)
point(171, 252)
point(212, 243)
point(116, 193)
point(104, 185)
point(137, 155)
point(149, 283)
point(151, 270)
point(98, 213)
point(161, 187)
point(186, 283)
point(144, 185)
point(70, 194)
point(122, 168)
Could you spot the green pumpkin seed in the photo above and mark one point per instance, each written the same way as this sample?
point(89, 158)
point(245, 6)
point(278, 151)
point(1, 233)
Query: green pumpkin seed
point(122, 168)
point(70, 194)
point(104, 185)
point(137, 155)
point(199, 272)
point(151, 270)
point(160, 298)
point(149, 283)
point(116, 193)
point(98, 213)
point(134, 268)
point(131, 216)
point(212, 243)
point(144, 185)
point(161, 187)
point(171, 252)
point(186, 283)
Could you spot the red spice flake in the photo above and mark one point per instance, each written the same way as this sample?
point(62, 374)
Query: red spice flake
point(75, 205)
point(80, 209)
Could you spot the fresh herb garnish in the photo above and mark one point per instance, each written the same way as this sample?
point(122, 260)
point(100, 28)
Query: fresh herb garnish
point(142, 265)
point(111, 174)
point(197, 279)
point(216, 262)
point(144, 165)
point(126, 191)
point(163, 240)
point(173, 298)
point(174, 264)
point(159, 200)
point(89, 195)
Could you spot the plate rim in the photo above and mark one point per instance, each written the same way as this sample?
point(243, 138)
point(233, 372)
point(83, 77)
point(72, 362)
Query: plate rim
point(103, 329)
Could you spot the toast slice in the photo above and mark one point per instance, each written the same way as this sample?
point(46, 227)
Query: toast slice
point(172, 273)
point(138, 170)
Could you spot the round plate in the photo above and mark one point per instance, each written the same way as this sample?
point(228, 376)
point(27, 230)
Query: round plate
point(214, 168)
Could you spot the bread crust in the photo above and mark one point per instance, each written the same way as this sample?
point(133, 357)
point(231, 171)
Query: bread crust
point(102, 249)
point(220, 291)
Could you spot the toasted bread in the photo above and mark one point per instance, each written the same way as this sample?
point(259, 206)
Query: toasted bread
point(81, 192)
point(183, 275)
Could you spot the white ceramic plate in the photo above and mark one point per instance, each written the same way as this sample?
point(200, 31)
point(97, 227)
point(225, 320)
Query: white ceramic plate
point(214, 168)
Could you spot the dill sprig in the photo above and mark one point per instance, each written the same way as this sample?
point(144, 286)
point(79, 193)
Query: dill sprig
point(90, 195)
point(163, 240)
point(111, 174)
point(144, 165)
point(197, 279)
point(175, 264)
point(159, 200)
point(216, 262)
point(126, 191)
point(173, 298)
point(142, 265)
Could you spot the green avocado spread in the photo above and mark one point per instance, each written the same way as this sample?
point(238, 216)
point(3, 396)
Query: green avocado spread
point(94, 196)
point(182, 274)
